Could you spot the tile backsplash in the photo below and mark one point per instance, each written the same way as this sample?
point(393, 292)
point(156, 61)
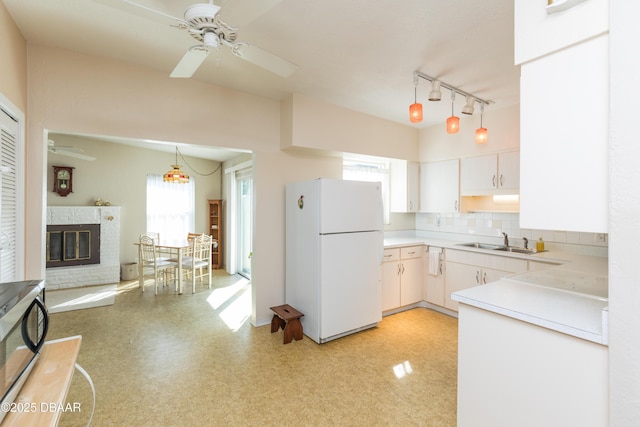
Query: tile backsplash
point(489, 226)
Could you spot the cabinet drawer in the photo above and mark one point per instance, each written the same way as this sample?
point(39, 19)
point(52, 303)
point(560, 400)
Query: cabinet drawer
point(411, 252)
point(391, 255)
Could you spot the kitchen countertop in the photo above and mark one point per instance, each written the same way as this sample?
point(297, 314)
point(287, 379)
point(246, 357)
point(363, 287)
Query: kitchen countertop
point(571, 296)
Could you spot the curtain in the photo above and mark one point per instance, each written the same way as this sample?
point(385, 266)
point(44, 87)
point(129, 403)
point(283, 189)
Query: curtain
point(170, 208)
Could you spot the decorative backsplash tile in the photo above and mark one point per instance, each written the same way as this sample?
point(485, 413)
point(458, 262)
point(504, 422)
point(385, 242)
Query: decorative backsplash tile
point(489, 226)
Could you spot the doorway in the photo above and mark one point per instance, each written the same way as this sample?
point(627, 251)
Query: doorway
point(244, 199)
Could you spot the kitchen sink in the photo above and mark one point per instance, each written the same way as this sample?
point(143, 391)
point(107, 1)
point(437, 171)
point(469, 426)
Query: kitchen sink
point(516, 250)
point(489, 246)
point(478, 245)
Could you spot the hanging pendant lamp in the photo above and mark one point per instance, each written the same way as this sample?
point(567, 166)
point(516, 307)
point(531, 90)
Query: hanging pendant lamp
point(453, 122)
point(175, 175)
point(482, 135)
point(415, 109)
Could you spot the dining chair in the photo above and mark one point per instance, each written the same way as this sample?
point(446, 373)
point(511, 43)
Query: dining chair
point(152, 264)
point(155, 236)
point(199, 259)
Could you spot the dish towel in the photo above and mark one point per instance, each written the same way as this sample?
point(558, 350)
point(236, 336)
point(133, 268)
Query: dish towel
point(434, 260)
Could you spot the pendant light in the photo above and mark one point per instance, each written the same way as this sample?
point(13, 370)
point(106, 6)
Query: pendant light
point(481, 133)
point(453, 122)
point(175, 175)
point(415, 109)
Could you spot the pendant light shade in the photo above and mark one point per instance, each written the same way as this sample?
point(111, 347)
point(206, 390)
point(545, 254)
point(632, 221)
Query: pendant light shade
point(415, 113)
point(482, 135)
point(175, 175)
point(415, 109)
point(453, 122)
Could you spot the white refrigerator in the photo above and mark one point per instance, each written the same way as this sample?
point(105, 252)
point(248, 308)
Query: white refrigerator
point(334, 245)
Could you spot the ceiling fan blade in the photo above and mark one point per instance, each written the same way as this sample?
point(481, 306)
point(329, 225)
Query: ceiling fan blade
point(69, 153)
point(143, 11)
point(264, 59)
point(241, 12)
point(190, 62)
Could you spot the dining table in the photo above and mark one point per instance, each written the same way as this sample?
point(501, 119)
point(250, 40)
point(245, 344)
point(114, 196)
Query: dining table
point(174, 250)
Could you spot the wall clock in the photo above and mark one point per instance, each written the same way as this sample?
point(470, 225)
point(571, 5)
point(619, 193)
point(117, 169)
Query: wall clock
point(63, 180)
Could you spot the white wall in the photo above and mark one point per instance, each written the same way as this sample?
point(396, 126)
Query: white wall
point(503, 125)
point(624, 208)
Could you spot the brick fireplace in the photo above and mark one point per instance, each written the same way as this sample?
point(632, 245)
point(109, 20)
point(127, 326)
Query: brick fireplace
point(107, 223)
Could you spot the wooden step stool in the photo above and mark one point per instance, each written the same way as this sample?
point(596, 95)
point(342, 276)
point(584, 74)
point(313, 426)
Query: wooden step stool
point(287, 318)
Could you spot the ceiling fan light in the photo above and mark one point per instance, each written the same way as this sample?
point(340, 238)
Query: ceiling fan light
point(453, 124)
point(435, 94)
point(482, 135)
point(415, 113)
point(468, 107)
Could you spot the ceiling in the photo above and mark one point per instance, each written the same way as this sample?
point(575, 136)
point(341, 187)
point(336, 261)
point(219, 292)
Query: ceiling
point(358, 54)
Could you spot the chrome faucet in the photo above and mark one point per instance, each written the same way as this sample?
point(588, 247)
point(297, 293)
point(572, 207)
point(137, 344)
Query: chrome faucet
point(526, 242)
point(506, 239)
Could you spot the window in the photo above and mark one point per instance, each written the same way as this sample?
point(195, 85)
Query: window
point(170, 208)
point(375, 170)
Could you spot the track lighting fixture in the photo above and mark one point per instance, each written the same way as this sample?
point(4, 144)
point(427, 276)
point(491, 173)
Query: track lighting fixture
point(453, 122)
point(415, 109)
point(435, 94)
point(481, 133)
point(468, 107)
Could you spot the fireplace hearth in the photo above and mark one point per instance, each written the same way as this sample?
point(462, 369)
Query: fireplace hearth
point(75, 244)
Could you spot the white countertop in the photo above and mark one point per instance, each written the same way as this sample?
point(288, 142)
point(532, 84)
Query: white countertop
point(570, 297)
point(580, 315)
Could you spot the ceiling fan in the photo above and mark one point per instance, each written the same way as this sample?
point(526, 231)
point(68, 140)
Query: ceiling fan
point(202, 21)
point(68, 151)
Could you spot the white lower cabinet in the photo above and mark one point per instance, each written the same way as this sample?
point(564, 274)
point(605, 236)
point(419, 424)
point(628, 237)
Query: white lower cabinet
point(434, 284)
point(465, 269)
point(401, 277)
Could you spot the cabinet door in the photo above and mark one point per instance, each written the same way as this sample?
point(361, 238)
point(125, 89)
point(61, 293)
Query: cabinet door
point(478, 175)
point(390, 285)
point(411, 282)
point(405, 177)
point(434, 285)
point(440, 186)
point(509, 172)
point(489, 275)
point(459, 277)
point(564, 110)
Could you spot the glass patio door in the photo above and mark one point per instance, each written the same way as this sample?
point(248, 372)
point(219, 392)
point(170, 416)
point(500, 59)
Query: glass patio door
point(244, 198)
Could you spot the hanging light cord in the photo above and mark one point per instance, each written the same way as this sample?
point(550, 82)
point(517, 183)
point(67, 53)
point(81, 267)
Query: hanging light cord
point(191, 167)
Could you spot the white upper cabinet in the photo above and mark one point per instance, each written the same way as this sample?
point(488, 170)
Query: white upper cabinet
point(490, 174)
point(564, 126)
point(440, 186)
point(538, 32)
point(405, 186)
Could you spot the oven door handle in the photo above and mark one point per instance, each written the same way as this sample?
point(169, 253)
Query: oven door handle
point(41, 309)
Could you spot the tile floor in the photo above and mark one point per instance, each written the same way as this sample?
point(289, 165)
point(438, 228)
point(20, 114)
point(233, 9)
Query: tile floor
point(194, 360)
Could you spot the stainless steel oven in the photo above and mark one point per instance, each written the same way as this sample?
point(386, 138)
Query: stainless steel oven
point(24, 321)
